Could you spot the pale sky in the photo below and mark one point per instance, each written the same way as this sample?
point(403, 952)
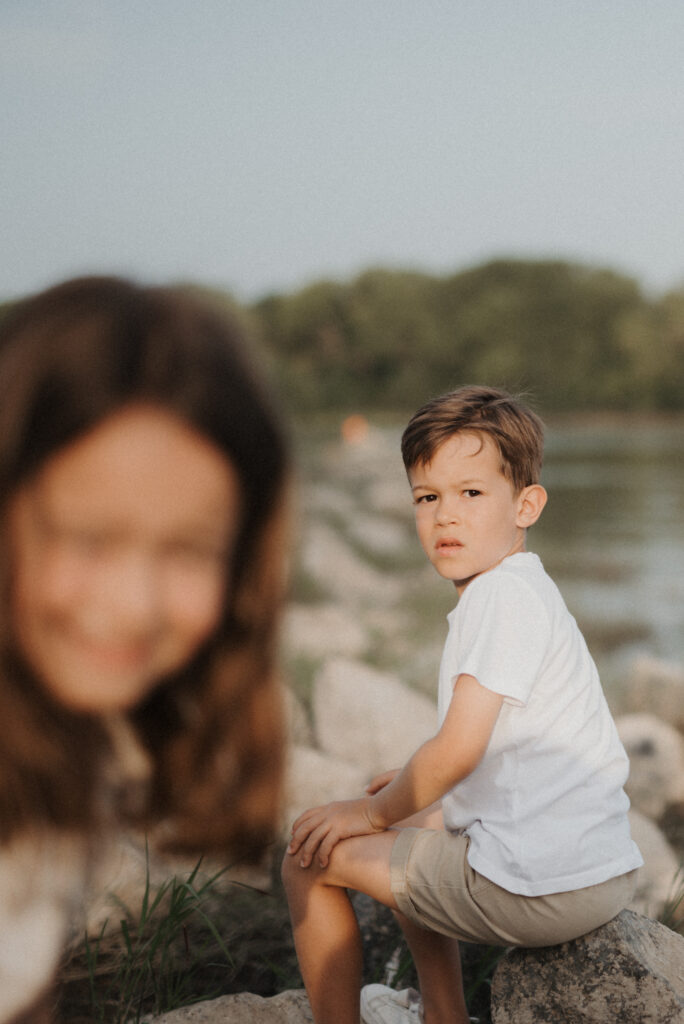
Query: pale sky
point(258, 145)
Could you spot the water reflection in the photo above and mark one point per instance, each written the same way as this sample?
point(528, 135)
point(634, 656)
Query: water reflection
point(611, 536)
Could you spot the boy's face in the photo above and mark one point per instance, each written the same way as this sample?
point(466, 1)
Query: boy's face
point(468, 516)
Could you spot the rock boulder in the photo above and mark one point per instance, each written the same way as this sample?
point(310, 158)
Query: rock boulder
point(630, 970)
point(244, 1008)
point(369, 717)
point(657, 879)
point(314, 778)
point(659, 686)
point(656, 757)
point(321, 630)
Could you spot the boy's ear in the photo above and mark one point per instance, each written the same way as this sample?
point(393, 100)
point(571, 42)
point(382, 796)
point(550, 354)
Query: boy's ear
point(531, 501)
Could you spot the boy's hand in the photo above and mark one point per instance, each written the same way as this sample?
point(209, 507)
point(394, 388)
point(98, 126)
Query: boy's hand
point(321, 828)
point(380, 781)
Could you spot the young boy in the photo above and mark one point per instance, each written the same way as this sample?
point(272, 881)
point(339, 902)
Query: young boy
point(510, 825)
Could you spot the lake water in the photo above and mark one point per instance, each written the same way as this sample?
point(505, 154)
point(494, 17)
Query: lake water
point(612, 535)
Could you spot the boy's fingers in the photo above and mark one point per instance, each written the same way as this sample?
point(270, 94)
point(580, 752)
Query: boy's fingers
point(327, 847)
point(296, 839)
point(304, 817)
point(306, 837)
point(293, 845)
point(303, 826)
point(311, 845)
point(299, 836)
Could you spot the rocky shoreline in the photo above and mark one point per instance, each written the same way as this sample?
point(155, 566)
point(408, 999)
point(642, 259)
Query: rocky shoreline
point(361, 643)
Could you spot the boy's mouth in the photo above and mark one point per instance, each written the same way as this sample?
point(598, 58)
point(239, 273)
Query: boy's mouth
point(448, 544)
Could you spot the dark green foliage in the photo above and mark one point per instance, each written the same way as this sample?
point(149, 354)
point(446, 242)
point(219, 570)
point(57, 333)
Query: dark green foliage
point(572, 337)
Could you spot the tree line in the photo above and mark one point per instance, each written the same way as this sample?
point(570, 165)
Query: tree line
point(572, 337)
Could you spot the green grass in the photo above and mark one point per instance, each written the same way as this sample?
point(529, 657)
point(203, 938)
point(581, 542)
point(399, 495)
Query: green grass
point(150, 965)
point(194, 939)
point(191, 939)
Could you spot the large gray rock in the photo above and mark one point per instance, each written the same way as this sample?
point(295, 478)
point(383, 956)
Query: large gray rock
point(379, 534)
point(629, 971)
point(299, 728)
point(322, 630)
point(369, 718)
point(343, 574)
point(657, 879)
point(313, 778)
point(244, 1008)
point(659, 686)
point(656, 762)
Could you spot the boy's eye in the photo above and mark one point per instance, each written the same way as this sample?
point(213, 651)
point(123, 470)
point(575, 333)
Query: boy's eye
point(472, 492)
point(424, 498)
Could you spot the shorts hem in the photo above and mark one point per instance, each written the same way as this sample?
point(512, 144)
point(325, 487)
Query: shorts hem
point(399, 860)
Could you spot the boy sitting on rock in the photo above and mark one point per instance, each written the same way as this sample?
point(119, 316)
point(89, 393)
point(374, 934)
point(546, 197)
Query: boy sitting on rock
point(509, 826)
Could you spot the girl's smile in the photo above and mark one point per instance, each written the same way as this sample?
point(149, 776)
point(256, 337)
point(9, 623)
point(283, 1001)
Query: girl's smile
point(121, 545)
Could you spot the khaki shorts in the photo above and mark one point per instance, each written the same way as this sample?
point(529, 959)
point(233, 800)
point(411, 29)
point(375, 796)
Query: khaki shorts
point(435, 887)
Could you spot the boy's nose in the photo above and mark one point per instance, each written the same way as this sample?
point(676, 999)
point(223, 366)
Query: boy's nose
point(447, 512)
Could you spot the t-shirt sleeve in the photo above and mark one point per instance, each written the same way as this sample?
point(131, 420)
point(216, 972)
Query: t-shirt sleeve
point(503, 635)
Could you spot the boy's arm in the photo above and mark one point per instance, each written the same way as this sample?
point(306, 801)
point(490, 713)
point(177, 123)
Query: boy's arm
point(438, 765)
point(445, 759)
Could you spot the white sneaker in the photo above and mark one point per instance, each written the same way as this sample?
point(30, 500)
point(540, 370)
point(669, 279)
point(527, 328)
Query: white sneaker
point(383, 1005)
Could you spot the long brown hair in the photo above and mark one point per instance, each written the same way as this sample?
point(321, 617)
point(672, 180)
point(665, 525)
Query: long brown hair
point(70, 357)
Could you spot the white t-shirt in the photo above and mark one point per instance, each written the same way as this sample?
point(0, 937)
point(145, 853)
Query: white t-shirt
point(545, 809)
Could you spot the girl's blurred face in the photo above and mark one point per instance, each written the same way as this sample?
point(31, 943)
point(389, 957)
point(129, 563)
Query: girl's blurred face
point(120, 551)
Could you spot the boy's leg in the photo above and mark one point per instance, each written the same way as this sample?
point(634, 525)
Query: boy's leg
point(436, 957)
point(324, 925)
point(437, 960)
point(328, 942)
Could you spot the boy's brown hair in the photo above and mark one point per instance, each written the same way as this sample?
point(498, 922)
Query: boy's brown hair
point(517, 431)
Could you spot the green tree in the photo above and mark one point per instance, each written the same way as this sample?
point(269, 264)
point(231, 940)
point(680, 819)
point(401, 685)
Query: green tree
point(550, 327)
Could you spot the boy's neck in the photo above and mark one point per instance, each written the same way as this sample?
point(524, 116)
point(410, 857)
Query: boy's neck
point(519, 548)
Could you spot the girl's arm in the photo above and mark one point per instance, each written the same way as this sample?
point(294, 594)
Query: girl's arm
point(435, 768)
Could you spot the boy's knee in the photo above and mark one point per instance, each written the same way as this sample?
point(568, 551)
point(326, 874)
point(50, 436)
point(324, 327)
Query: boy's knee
point(293, 876)
point(286, 870)
point(297, 879)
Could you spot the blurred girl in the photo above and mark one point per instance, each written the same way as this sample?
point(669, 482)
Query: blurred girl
point(142, 478)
